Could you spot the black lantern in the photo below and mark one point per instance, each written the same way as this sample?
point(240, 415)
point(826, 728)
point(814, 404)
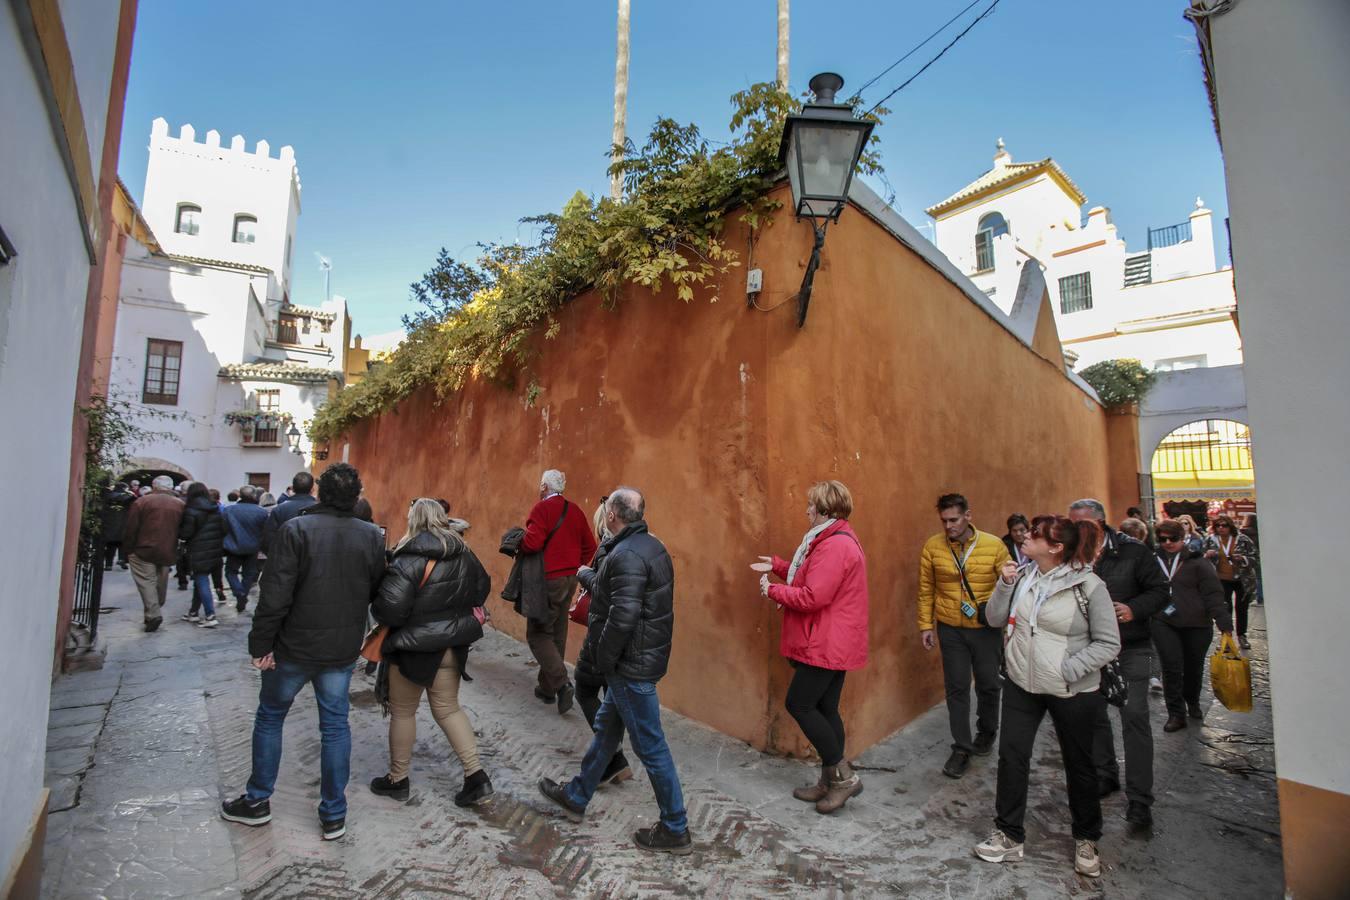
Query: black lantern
point(293, 438)
point(821, 147)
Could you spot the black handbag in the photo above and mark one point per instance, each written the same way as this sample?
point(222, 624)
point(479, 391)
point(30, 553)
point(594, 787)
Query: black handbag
point(1113, 686)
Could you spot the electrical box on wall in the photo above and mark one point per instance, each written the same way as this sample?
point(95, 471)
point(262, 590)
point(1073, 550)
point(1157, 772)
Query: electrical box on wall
point(754, 281)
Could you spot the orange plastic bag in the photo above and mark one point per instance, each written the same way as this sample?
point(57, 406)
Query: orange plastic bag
point(1231, 676)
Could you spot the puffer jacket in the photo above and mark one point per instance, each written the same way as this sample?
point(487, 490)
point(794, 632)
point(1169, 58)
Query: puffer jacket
point(940, 588)
point(1197, 594)
point(1056, 651)
point(323, 569)
point(825, 608)
point(439, 614)
point(632, 616)
point(203, 530)
point(585, 672)
point(1133, 578)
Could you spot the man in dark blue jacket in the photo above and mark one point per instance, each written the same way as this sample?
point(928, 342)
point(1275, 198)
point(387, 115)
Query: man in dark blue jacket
point(244, 523)
point(628, 639)
point(285, 510)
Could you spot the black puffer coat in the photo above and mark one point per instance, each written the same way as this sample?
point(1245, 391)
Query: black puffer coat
point(439, 615)
point(585, 672)
point(113, 517)
point(1197, 595)
point(632, 616)
point(1133, 578)
point(203, 530)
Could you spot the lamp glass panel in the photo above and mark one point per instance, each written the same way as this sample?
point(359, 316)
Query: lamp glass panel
point(794, 174)
point(828, 153)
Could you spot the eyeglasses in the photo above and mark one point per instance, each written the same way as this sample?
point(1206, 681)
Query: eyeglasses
point(1175, 540)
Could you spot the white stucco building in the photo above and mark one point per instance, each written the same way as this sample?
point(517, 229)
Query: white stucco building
point(1168, 305)
point(207, 336)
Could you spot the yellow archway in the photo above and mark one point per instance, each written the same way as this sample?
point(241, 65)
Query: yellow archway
point(1210, 459)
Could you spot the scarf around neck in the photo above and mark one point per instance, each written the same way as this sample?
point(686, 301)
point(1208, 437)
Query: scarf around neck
point(800, 555)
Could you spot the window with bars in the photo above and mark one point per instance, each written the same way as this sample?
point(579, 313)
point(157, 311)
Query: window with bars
point(189, 219)
point(1075, 293)
point(288, 330)
point(163, 365)
point(245, 229)
point(991, 225)
point(268, 431)
point(260, 480)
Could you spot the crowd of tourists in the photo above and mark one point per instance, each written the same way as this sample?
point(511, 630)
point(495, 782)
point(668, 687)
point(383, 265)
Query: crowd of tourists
point(1061, 616)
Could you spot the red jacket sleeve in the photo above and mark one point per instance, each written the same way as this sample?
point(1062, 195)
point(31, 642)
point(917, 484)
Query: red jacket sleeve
point(780, 567)
point(820, 585)
point(536, 529)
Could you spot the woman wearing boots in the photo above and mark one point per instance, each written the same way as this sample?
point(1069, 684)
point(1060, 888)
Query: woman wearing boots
point(1233, 555)
point(824, 604)
point(1063, 631)
point(430, 601)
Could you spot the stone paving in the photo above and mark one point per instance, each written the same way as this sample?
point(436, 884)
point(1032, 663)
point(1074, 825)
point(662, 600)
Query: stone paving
point(141, 753)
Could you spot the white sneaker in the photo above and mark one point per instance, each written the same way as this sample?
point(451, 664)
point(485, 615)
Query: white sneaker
point(192, 617)
point(997, 848)
point(1085, 859)
point(209, 622)
point(1155, 683)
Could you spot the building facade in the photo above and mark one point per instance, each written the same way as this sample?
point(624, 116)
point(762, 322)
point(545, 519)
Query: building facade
point(225, 369)
point(1167, 305)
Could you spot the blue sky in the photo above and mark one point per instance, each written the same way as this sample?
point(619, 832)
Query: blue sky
point(418, 126)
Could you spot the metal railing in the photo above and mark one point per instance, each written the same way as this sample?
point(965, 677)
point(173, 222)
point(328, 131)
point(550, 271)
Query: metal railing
point(287, 333)
point(88, 585)
point(1211, 445)
point(1169, 235)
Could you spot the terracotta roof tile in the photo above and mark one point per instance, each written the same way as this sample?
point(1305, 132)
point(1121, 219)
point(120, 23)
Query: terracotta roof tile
point(264, 370)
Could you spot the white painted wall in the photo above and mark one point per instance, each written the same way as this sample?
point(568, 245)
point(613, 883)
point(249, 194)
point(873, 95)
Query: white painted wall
point(1283, 84)
point(1180, 398)
point(42, 300)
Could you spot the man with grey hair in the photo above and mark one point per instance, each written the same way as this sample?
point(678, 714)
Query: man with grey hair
point(628, 639)
point(151, 541)
point(1139, 589)
point(244, 523)
point(560, 531)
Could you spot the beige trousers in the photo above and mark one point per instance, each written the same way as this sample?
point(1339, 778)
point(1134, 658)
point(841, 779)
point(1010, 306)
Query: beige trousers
point(153, 583)
point(443, 696)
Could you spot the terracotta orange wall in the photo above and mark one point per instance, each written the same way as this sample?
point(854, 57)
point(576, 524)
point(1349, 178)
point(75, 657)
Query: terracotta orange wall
point(899, 385)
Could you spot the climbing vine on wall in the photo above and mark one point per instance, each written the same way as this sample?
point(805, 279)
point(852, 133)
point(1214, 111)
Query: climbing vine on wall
point(477, 320)
point(1119, 381)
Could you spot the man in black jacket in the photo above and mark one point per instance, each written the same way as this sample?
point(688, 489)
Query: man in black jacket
point(323, 569)
point(1139, 590)
point(628, 638)
point(284, 511)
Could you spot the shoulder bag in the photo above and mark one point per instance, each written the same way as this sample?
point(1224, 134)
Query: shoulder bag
point(374, 642)
point(1113, 686)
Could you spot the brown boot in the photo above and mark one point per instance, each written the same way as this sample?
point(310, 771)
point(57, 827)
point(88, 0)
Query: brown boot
point(814, 793)
point(843, 783)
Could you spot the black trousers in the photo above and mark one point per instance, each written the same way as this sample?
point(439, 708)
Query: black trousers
point(813, 700)
point(1182, 651)
point(113, 550)
point(967, 651)
point(1075, 720)
point(1238, 603)
point(1136, 732)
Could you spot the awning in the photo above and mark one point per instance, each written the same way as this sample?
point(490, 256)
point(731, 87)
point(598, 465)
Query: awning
point(1226, 483)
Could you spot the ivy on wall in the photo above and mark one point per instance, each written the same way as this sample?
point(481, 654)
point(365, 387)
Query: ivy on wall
point(1119, 381)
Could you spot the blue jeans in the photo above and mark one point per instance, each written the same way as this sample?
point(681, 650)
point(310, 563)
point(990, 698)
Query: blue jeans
point(201, 593)
point(632, 705)
point(279, 687)
point(241, 586)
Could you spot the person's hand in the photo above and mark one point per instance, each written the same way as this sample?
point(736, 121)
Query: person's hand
point(764, 585)
point(264, 663)
point(585, 572)
point(1009, 572)
point(1123, 612)
point(765, 564)
point(1211, 554)
point(929, 638)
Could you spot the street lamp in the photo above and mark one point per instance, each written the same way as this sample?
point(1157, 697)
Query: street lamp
point(821, 147)
point(293, 438)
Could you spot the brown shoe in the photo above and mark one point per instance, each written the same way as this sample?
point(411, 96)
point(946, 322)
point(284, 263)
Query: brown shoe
point(843, 783)
point(1174, 723)
point(814, 793)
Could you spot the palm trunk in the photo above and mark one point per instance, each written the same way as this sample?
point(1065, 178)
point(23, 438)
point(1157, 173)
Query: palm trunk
point(783, 45)
point(621, 98)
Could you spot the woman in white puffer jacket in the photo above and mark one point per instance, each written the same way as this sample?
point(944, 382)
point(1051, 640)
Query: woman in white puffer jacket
point(1063, 630)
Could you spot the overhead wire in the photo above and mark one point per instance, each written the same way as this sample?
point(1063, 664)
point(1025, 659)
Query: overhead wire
point(917, 47)
point(941, 53)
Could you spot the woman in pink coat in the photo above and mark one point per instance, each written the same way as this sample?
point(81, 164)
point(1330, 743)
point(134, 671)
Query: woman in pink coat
point(824, 604)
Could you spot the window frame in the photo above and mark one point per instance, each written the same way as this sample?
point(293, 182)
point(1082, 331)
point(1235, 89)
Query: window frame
point(984, 240)
point(1082, 302)
point(162, 397)
point(196, 223)
point(240, 218)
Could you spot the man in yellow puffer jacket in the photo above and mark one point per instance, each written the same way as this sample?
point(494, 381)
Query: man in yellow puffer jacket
point(951, 614)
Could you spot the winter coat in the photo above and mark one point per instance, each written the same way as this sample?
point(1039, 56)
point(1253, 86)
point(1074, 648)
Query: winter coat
point(1244, 547)
point(584, 672)
point(203, 532)
point(632, 616)
point(1197, 595)
point(282, 513)
point(526, 588)
point(322, 571)
point(244, 523)
point(151, 531)
point(941, 592)
point(825, 608)
point(1056, 650)
point(570, 546)
point(439, 614)
point(1133, 578)
point(113, 516)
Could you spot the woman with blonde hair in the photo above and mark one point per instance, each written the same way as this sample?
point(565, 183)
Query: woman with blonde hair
point(1194, 537)
point(431, 601)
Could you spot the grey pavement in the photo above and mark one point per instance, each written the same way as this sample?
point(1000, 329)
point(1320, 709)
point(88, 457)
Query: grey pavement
point(141, 753)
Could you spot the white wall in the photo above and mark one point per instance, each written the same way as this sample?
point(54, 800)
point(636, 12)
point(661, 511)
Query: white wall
point(91, 33)
point(1180, 398)
point(1283, 77)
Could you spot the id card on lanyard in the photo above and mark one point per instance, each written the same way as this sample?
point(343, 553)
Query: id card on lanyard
point(968, 608)
point(1169, 571)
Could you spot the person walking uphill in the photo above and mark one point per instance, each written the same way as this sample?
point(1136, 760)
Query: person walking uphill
point(428, 600)
point(631, 624)
point(824, 603)
point(957, 572)
point(558, 529)
point(151, 541)
point(244, 523)
point(323, 569)
point(202, 532)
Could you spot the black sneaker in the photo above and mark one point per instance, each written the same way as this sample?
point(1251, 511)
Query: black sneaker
point(984, 744)
point(565, 695)
point(240, 605)
point(1139, 814)
point(246, 812)
point(334, 829)
point(1193, 710)
point(1107, 786)
point(957, 764)
point(477, 788)
point(385, 787)
point(660, 839)
point(555, 792)
point(544, 695)
point(153, 624)
point(618, 770)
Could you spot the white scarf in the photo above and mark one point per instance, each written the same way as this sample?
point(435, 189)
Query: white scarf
point(800, 555)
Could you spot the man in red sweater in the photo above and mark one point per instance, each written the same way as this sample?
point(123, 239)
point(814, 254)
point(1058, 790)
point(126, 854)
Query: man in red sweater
point(562, 532)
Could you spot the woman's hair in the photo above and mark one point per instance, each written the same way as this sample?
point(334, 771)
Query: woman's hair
point(1136, 529)
point(1018, 519)
point(1225, 520)
point(598, 521)
point(831, 498)
point(426, 515)
point(1080, 539)
point(197, 489)
point(1187, 522)
point(363, 510)
point(267, 499)
point(1170, 528)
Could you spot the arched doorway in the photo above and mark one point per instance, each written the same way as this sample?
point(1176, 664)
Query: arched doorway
point(146, 468)
point(1204, 468)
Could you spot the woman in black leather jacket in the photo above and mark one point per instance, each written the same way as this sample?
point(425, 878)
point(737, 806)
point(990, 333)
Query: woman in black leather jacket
point(431, 601)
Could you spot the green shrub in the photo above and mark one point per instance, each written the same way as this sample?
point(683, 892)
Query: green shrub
point(1119, 381)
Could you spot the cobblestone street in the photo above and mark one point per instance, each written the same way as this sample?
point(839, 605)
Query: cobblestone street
point(140, 754)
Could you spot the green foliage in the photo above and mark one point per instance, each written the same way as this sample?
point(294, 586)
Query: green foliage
point(113, 430)
point(477, 320)
point(1119, 381)
point(251, 418)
